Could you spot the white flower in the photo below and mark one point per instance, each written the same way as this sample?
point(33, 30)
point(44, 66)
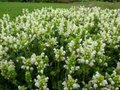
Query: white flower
point(118, 65)
point(81, 60)
point(97, 74)
point(33, 60)
point(117, 88)
point(87, 61)
point(72, 68)
point(71, 44)
point(105, 82)
point(36, 63)
point(77, 67)
point(76, 86)
point(95, 43)
point(41, 71)
point(65, 88)
point(93, 53)
point(114, 73)
point(38, 76)
point(42, 54)
point(31, 68)
point(64, 83)
point(37, 84)
point(65, 66)
point(23, 67)
point(91, 64)
point(112, 82)
point(106, 64)
point(95, 86)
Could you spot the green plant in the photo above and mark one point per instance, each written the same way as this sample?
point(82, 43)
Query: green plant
point(61, 49)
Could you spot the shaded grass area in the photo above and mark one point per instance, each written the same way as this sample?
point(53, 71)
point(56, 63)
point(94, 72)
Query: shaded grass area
point(15, 8)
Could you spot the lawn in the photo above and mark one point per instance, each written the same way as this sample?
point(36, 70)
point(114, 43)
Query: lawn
point(15, 8)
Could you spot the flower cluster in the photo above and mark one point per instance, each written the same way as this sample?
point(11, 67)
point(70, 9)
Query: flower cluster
point(91, 52)
point(59, 54)
point(41, 82)
point(106, 82)
point(21, 88)
point(39, 61)
point(71, 64)
point(8, 69)
point(70, 83)
point(98, 80)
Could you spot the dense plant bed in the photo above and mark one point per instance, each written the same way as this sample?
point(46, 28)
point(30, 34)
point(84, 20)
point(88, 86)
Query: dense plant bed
point(61, 49)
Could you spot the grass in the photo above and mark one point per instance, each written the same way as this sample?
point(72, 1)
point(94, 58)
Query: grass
point(15, 8)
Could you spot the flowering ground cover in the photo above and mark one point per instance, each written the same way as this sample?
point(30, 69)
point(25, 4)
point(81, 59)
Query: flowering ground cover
point(61, 49)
